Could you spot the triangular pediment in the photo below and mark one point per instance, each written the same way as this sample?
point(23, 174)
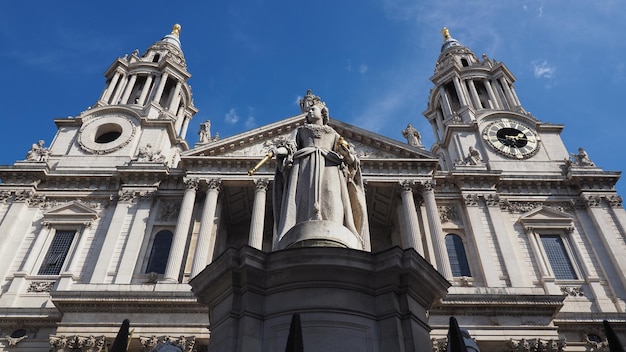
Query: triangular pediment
point(255, 143)
point(546, 218)
point(72, 213)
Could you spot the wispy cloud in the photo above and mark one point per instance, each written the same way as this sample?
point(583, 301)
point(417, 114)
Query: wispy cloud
point(231, 117)
point(363, 69)
point(542, 69)
point(250, 121)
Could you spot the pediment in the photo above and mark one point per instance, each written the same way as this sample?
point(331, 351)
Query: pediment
point(546, 218)
point(72, 213)
point(254, 143)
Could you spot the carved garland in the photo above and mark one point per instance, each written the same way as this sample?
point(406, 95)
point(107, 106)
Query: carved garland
point(40, 286)
point(187, 343)
point(536, 345)
point(91, 343)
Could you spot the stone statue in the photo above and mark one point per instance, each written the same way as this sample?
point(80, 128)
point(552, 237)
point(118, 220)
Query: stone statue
point(37, 152)
point(204, 133)
point(412, 136)
point(318, 179)
point(582, 158)
point(473, 157)
point(146, 154)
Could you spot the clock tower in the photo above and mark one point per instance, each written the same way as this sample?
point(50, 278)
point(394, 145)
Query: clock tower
point(478, 120)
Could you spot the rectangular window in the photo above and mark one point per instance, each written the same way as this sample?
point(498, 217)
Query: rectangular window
point(58, 250)
point(558, 257)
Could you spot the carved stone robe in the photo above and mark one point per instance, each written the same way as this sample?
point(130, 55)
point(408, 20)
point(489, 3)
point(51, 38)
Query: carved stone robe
point(314, 182)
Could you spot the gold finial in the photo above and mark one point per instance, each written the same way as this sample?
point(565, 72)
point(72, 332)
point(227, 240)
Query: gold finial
point(446, 33)
point(176, 30)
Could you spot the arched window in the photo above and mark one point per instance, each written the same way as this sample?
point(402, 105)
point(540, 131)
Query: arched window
point(464, 62)
point(457, 256)
point(160, 252)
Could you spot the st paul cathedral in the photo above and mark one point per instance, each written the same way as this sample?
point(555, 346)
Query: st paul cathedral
point(374, 243)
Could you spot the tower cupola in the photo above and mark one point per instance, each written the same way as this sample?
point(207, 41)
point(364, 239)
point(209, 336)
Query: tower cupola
point(467, 87)
point(153, 84)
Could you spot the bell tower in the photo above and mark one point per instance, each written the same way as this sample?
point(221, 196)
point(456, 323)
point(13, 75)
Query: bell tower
point(142, 114)
point(477, 118)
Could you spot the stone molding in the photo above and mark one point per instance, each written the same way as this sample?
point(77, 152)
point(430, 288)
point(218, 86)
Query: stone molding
point(536, 345)
point(187, 343)
point(447, 213)
point(40, 286)
point(62, 343)
point(573, 291)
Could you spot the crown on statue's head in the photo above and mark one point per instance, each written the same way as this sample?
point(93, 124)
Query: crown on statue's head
point(309, 100)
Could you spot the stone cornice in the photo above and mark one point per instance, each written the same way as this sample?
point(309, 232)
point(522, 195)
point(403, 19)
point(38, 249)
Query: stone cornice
point(499, 304)
point(229, 166)
point(127, 301)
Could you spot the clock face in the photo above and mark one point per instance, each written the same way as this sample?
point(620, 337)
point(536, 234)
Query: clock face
point(512, 138)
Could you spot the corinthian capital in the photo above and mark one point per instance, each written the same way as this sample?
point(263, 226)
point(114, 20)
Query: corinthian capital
point(214, 183)
point(191, 183)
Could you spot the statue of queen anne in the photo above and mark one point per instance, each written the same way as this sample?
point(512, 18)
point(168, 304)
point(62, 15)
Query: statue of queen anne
point(319, 198)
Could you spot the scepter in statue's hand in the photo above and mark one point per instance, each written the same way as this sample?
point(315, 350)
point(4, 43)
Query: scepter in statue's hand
point(280, 151)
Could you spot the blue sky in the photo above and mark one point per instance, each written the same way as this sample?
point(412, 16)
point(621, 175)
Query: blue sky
point(370, 61)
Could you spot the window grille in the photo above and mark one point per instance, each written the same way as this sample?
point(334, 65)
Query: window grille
point(457, 256)
point(560, 261)
point(160, 252)
point(60, 246)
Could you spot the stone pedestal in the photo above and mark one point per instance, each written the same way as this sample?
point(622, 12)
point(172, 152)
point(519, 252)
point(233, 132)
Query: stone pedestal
point(348, 300)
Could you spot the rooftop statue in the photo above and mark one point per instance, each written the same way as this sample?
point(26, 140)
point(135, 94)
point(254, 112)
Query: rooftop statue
point(319, 198)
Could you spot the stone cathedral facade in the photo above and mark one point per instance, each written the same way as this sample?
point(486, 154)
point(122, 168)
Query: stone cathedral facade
point(117, 216)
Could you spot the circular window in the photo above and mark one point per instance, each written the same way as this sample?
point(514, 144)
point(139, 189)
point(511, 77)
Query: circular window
point(108, 133)
point(594, 338)
point(18, 333)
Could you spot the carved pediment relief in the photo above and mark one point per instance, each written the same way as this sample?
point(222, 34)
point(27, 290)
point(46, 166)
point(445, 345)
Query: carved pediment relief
point(255, 143)
point(72, 213)
point(546, 218)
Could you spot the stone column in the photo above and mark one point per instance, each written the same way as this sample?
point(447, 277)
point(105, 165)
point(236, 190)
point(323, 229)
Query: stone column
point(145, 90)
point(175, 259)
point(492, 96)
point(257, 223)
point(460, 91)
point(206, 238)
point(507, 92)
point(441, 253)
point(111, 87)
point(514, 94)
point(129, 89)
point(183, 130)
point(411, 236)
point(476, 98)
point(445, 103)
point(118, 90)
point(175, 99)
point(160, 87)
